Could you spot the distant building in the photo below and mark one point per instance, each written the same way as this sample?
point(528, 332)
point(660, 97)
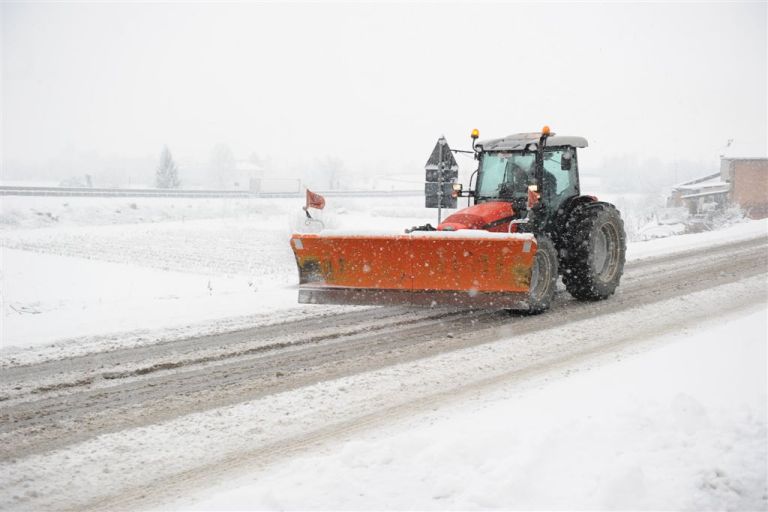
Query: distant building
point(247, 175)
point(748, 178)
point(741, 182)
point(701, 195)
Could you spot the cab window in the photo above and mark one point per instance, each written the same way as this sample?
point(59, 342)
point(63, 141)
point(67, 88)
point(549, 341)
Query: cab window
point(505, 175)
point(560, 183)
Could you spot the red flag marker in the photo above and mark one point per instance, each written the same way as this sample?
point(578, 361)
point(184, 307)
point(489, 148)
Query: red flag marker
point(313, 201)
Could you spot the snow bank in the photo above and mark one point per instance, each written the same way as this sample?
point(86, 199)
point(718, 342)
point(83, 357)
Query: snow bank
point(734, 233)
point(49, 297)
point(681, 427)
point(655, 230)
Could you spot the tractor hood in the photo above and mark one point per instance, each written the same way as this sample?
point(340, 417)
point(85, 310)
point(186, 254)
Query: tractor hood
point(480, 216)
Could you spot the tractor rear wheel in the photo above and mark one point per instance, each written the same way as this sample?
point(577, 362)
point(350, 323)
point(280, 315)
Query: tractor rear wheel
point(595, 252)
point(543, 276)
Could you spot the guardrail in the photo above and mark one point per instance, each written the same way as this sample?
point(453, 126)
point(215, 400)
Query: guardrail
point(154, 192)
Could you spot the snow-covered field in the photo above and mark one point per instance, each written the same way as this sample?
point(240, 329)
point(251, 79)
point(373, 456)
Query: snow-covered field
point(101, 269)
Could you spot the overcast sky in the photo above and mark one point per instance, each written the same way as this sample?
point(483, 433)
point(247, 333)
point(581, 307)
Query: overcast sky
point(375, 84)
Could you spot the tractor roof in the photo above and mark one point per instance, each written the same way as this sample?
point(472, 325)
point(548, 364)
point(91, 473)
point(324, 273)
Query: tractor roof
point(518, 141)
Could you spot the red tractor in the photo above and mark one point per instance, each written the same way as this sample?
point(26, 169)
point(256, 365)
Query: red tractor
point(529, 223)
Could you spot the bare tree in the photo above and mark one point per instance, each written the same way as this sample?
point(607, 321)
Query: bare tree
point(167, 174)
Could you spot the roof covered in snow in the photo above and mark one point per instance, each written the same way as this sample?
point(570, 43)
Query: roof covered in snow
point(519, 141)
point(709, 183)
point(705, 193)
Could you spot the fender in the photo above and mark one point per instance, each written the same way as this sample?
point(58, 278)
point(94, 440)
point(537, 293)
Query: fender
point(490, 216)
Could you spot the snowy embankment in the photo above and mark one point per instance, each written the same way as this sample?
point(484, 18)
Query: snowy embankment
point(678, 427)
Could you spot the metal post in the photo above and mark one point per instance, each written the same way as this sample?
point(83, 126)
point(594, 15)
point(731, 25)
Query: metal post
point(440, 167)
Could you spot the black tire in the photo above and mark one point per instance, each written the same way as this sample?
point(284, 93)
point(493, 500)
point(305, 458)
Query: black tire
point(543, 276)
point(595, 251)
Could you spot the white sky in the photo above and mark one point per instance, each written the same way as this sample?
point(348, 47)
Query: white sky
point(376, 83)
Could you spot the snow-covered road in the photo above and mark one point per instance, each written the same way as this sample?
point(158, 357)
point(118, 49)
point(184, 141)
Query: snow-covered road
point(137, 427)
point(680, 426)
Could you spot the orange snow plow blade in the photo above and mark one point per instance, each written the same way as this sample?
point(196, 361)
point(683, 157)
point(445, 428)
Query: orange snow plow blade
point(475, 269)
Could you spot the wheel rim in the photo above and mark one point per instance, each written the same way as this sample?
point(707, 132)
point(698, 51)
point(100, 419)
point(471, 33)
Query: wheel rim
point(605, 259)
point(541, 277)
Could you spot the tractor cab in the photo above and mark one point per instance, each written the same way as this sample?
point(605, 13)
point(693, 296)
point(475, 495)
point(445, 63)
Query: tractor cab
point(514, 167)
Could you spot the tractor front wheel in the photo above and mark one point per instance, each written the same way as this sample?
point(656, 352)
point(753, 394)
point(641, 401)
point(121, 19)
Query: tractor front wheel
point(543, 276)
point(595, 252)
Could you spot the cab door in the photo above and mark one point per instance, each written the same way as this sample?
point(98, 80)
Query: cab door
point(560, 179)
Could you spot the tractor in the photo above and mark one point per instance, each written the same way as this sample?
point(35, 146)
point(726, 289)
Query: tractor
point(528, 225)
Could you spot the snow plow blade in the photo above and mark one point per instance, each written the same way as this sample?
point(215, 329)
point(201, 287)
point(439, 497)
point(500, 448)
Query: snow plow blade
point(473, 269)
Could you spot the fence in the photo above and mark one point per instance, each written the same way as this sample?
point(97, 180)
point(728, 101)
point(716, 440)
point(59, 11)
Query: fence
point(152, 192)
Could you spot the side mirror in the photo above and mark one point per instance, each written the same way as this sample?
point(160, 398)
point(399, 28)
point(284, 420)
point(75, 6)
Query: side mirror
point(566, 161)
point(456, 190)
